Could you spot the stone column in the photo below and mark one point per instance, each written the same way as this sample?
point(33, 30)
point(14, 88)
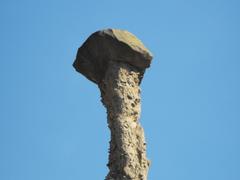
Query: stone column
point(116, 60)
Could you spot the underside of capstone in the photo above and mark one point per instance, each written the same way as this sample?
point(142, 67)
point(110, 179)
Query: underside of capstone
point(110, 45)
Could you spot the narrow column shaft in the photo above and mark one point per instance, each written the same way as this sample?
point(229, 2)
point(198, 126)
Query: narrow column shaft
point(121, 96)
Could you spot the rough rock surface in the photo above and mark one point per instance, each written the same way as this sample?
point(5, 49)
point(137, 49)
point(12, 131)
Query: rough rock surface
point(116, 60)
point(121, 95)
point(110, 44)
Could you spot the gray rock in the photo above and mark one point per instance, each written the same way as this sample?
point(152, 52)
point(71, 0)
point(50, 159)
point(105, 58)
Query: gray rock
point(110, 45)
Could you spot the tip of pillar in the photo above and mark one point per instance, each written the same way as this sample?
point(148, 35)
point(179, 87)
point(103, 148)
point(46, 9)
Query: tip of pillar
point(110, 45)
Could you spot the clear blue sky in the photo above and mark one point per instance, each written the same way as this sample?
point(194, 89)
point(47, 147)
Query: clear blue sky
point(52, 123)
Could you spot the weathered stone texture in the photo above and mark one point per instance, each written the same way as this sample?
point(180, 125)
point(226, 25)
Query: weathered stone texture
point(110, 45)
point(121, 96)
point(116, 60)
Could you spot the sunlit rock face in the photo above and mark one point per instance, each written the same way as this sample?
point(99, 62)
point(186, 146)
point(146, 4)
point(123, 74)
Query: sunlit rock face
point(110, 45)
point(116, 60)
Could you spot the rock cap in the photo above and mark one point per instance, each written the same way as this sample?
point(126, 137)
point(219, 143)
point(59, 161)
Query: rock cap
point(110, 45)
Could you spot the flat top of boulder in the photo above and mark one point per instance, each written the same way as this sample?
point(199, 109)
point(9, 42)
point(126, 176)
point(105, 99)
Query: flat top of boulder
point(110, 45)
point(129, 39)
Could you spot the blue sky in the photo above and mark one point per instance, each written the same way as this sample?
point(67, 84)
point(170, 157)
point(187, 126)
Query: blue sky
point(52, 123)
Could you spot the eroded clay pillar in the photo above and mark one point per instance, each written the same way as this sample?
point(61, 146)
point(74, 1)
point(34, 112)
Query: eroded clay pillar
point(116, 60)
